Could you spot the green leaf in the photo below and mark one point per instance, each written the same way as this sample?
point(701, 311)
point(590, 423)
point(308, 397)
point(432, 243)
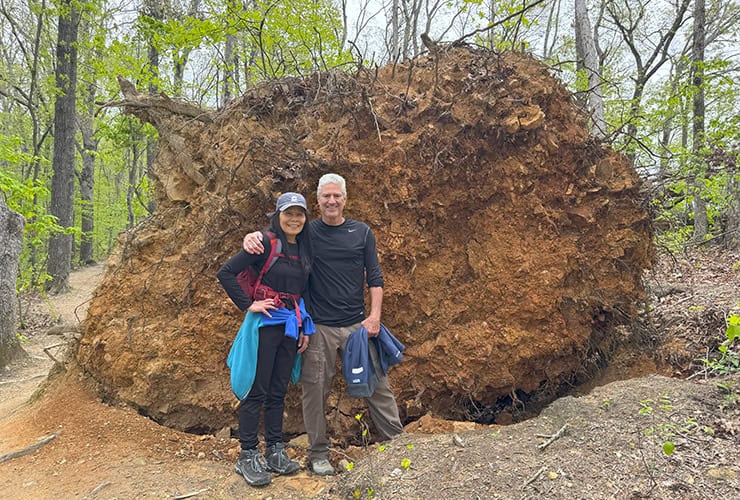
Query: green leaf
point(733, 331)
point(668, 448)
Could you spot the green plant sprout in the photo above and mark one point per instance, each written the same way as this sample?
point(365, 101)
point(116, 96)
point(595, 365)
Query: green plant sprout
point(729, 359)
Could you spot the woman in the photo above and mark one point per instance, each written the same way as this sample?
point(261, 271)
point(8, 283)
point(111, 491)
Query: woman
point(275, 328)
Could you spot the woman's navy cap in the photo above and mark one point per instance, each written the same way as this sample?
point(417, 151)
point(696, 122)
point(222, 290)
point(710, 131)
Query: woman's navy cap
point(288, 200)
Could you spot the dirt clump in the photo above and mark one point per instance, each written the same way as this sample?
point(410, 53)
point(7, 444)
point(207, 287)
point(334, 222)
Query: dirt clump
point(512, 244)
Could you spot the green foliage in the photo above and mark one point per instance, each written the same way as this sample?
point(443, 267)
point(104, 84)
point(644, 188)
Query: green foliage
point(290, 37)
point(581, 84)
point(710, 174)
point(26, 197)
point(731, 395)
point(728, 360)
point(508, 35)
point(663, 427)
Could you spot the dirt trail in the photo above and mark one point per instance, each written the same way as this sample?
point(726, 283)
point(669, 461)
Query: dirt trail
point(19, 381)
point(102, 451)
point(612, 446)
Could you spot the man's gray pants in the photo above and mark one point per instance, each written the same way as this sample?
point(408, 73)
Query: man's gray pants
point(317, 373)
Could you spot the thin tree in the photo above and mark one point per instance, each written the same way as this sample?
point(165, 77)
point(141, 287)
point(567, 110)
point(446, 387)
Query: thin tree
point(701, 222)
point(152, 9)
point(588, 60)
point(86, 176)
point(181, 55)
point(63, 164)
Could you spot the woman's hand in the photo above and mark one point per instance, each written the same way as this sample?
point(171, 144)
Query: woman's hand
point(302, 343)
point(263, 306)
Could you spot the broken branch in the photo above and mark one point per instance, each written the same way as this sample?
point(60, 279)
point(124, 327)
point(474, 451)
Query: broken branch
point(46, 350)
point(98, 489)
point(534, 478)
point(551, 438)
point(191, 494)
point(29, 449)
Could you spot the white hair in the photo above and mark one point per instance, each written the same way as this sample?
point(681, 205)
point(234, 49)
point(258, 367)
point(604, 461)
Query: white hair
point(331, 179)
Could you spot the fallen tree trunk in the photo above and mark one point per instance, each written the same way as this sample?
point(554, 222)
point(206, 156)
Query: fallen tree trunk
point(511, 242)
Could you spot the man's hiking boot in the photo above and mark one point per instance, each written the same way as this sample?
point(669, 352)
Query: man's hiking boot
point(278, 460)
point(251, 466)
point(322, 467)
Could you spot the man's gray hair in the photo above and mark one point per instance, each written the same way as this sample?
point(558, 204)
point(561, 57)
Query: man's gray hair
point(331, 179)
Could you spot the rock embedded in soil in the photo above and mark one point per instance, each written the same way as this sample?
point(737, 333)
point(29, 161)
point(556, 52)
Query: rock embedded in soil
point(511, 242)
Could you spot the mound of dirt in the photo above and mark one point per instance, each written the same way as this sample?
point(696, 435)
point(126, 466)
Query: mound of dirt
point(652, 437)
point(512, 244)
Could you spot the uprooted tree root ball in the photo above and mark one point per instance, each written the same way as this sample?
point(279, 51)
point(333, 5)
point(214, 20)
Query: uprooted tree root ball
point(512, 244)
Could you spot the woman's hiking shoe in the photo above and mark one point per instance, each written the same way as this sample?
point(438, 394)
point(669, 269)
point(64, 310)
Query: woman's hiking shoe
point(322, 467)
point(278, 460)
point(251, 466)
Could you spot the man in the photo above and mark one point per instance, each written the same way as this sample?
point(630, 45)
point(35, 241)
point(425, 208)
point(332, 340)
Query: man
point(345, 257)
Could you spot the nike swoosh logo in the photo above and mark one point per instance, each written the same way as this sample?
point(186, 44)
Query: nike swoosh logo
point(351, 230)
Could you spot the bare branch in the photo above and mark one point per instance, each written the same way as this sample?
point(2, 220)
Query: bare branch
point(499, 22)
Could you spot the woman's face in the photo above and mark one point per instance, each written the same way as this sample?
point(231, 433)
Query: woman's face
point(292, 220)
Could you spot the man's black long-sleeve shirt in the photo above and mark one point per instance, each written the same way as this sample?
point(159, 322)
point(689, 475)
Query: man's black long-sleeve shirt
point(345, 258)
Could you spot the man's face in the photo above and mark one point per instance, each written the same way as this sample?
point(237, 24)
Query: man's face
point(331, 201)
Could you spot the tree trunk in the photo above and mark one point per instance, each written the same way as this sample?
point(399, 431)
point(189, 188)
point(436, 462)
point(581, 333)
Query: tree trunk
point(394, 31)
point(181, 55)
point(11, 237)
point(343, 40)
point(701, 223)
point(589, 60)
point(87, 178)
point(491, 18)
point(37, 136)
point(62, 181)
point(732, 227)
point(152, 9)
point(229, 69)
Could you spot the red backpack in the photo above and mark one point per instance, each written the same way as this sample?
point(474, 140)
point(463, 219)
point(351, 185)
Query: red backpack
point(249, 280)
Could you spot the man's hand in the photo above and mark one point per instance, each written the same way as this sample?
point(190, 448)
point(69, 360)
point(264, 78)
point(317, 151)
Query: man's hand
point(372, 324)
point(263, 306)
point(302, 343)
point(253, 243)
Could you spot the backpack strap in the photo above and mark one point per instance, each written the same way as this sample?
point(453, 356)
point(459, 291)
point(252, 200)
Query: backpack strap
point(275, 247)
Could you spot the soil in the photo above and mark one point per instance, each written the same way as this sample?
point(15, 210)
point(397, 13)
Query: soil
point(611, 444)
point(512, 244)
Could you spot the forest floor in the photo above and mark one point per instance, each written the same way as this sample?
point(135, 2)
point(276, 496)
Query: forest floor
point(608, 437)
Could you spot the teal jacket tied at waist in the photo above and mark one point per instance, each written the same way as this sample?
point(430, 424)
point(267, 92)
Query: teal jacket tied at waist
point(242, 360)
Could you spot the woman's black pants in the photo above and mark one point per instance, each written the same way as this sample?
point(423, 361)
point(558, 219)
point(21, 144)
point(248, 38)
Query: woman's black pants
point(275, 358)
